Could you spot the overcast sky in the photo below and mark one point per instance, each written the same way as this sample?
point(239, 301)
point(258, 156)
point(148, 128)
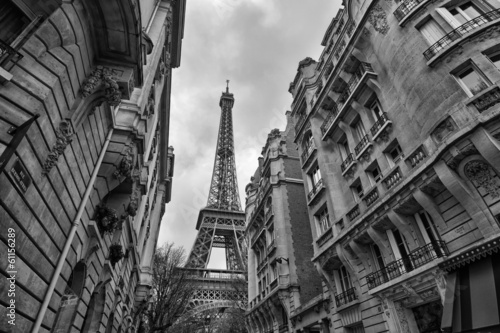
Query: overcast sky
point(257, 45)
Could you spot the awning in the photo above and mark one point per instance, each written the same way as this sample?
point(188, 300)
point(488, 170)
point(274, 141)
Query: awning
point(472, 298)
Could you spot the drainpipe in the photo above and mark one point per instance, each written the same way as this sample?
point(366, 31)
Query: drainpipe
point(69, 240)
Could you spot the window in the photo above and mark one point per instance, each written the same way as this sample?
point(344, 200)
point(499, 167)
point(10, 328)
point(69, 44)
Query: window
point(495, 59)
point(271, 235)
point(400, 249)
point(394, 153)
point(465, 12)
point(378, 258)
point(471, 80)
point(322, 221)
point(308, 142)
point(345, 279)
point(359, 129)
point(357, 190)
point(12, 21)
point(344, 148)
point(374, 173)
point(377, 109)
point(314, 177)
point(431, 31)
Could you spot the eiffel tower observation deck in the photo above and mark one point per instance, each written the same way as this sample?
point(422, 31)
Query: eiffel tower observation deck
point(221, 224)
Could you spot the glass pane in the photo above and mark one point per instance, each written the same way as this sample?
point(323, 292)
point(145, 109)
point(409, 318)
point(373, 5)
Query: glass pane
point(496, 60)
point(458, 16)
point(473, 81)
point(471, 10)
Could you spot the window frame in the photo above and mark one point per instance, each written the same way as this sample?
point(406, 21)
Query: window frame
point(469, 65)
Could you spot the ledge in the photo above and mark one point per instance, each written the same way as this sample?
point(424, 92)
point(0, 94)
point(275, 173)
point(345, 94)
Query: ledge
point(5, 76)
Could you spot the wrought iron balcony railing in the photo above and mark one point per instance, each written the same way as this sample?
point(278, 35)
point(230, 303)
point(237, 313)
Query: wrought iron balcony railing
point(346, 297)
point(405, 8)
point(329, 119)
point(349, 159)
point(273, 284)
point(307, 152)
point(361, 145)
point(460, 32)
point(358, 74)
point(379, 123)
point(316, 188)
point(261, 265)
point(415, 259)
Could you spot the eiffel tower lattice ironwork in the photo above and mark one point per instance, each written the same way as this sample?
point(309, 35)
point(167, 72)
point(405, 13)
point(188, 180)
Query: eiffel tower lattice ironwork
point(220, 224)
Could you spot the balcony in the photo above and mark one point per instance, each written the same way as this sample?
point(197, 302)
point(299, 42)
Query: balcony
point(347, 164)
point(415, 259)
point(329, 119)
point(416, 157)
point(371, 197)
point(318, 187)
point(271, 247)
point(346, 297)
point(353, 213)
point(308, 152)
point(361, 74)
point(380, 127)
point(405, 8)
point(361, 150)
point(393, 178)
point(460, 32)
point(273, 284)
point(268, 214)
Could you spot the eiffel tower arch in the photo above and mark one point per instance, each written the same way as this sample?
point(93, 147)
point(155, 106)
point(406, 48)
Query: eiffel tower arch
point(221, 224)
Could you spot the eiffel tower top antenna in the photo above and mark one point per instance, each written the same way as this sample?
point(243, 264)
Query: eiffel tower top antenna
point(227, 88)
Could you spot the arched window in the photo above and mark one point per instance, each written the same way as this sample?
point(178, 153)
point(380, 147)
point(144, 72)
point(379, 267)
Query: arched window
point(71, 299)
point(93, 318)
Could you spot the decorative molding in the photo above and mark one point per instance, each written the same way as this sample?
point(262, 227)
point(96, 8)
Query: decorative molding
point(469, 256)
point(124, 169)
point(403, 321)
point(378, 19)
point(63, 139)
point(460, 154)
point(482, 175)
point(487, 100)
point(104, 76)
point(444, 129)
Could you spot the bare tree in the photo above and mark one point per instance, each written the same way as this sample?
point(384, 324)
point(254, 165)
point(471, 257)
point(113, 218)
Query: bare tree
point(171, 292)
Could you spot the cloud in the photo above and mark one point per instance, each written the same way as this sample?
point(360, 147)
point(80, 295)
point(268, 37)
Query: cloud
point(256, 44)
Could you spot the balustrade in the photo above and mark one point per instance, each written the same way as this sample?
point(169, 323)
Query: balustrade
point(393, 178)
point(417, 156)
point(371, 197)
point(353, 213)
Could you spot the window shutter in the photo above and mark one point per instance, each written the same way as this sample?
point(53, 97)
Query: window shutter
point(446, 15)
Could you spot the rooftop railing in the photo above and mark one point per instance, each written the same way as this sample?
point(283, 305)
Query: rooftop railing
point(460, 32)
point(415, 259)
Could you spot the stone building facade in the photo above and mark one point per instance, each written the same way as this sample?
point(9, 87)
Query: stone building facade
point(398, 130)
point(85, 165)
point(281, 276)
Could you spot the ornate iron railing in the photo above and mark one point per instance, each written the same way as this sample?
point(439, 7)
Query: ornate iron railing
point(329, 119)
point(361, 145)
point(379, 123)
point(358, 74)
point(349, 159)
point(316, 188)
point(346, 297)
point(415, 259)
point(273, 284)
point(405, 8)
point(460, 32)
point(307, 152)
point(343, 97)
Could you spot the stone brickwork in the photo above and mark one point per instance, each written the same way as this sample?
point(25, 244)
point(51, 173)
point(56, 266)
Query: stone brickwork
point(84, 151)
point(405, 153)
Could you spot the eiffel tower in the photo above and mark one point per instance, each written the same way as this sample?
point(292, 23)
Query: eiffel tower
point(220, 224)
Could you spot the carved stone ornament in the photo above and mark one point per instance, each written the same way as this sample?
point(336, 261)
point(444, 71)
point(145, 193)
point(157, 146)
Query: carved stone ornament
point(378, 19)
point(102, 76)
point(125, 167)
point(403, 321)
point(63, 139)
point(481, 175)
point(445, 128)
point(463, 152)
point(487, 100)
point(366, 156)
